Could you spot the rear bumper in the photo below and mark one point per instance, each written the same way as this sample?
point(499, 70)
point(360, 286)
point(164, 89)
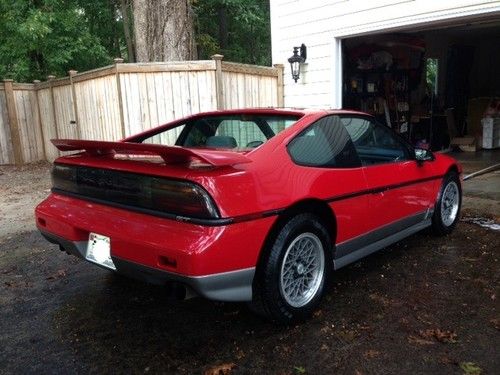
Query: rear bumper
point(217, 262)
point(226, 286)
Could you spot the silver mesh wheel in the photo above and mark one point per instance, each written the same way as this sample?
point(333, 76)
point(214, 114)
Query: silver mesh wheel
point(449, 203)
point(302, 270)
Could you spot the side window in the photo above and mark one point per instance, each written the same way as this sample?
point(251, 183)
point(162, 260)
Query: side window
point(326, 143)
point(374, 143)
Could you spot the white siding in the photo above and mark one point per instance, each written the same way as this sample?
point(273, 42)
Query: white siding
point(317, 22)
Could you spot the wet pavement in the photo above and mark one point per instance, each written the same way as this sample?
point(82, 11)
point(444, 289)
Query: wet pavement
point(425, 305)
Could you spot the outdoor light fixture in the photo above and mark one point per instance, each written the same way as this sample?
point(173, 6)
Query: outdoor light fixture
point(299, 57)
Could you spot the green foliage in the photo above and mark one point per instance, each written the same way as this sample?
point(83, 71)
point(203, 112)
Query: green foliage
point(41, 37)
point(247, 36)
point(431, 72)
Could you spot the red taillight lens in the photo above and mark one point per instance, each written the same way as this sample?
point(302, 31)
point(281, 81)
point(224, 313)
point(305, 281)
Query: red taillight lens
point(184, 198)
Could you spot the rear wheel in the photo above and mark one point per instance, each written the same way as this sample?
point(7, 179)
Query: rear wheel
point(291, 278)
point(447, 208)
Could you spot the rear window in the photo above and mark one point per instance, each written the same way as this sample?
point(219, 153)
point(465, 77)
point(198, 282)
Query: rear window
point(226, 132)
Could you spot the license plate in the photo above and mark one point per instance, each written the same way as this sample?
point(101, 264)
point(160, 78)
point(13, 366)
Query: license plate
point(99, 250)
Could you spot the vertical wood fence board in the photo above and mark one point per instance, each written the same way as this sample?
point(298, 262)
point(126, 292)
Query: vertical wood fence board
point(131, 103)
point(48, 123)
point(98, 108)
point(208, 100)
point(6, 153)
point(29, 129)
point(64, 112)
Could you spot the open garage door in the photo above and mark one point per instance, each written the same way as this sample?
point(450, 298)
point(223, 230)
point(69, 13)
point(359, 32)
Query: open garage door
point(432, 85)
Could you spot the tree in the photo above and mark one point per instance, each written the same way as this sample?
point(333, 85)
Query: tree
point(163, 30)
point(41, 37)
point(238, 29)
point(126, 12)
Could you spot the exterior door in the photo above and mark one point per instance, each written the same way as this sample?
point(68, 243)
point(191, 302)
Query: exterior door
point(332, 170)
point(400, 189)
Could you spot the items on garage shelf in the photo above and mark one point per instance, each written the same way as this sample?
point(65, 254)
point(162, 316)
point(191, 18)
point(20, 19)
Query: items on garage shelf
point(379, 79)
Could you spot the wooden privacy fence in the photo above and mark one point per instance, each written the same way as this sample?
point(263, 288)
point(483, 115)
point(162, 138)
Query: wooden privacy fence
point(116, 101)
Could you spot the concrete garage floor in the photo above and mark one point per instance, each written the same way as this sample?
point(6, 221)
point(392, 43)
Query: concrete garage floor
point(425, 305)
point(483, 192)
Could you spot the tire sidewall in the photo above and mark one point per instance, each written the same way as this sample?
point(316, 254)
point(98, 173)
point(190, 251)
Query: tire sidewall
point(277, 304)
point(437, 219)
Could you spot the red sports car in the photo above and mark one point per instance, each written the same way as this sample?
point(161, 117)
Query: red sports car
point(257, 205)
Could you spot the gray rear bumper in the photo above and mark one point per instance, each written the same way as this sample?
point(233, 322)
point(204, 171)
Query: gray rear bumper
point(226, 286)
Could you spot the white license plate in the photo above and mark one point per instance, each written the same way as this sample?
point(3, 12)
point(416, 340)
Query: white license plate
point(99, 250)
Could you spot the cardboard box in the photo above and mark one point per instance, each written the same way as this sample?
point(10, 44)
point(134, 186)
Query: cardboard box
point(468, 144)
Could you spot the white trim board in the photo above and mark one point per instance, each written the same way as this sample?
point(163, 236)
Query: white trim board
point(420, 20)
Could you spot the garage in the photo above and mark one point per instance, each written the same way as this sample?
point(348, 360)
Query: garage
point(438, 87)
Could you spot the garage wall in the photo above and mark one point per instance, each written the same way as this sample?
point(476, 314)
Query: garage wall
point(317, 22)
point(485, 78)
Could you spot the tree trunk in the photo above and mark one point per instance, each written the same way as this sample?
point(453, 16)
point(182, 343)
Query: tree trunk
point(222, 15)
point(127, 27)
point(163, 30)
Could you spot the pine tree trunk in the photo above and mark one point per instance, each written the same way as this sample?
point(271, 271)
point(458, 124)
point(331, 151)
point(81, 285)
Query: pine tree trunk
point(163, 30)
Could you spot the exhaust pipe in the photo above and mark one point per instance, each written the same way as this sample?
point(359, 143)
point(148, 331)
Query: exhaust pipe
point(175, 291)
point(63, 249)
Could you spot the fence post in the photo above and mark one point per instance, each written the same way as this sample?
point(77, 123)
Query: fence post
point(13, 122)
point(280, 87)
point(75, 104)
point(35, 83)
point(219, 84)
point(117, 61)
point(53, 104)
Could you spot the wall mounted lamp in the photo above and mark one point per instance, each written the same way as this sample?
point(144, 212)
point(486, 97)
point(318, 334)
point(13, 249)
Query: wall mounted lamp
point(299, 57)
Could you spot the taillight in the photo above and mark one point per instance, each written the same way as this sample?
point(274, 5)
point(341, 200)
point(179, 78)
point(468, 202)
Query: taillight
point(175, 197)
point(64, 178)
point(181, 197)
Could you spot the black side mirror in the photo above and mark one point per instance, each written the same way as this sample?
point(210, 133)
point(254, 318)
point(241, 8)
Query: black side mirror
point(422, 155)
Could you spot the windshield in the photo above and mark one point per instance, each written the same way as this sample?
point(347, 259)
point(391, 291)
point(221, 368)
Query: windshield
point(226, 132)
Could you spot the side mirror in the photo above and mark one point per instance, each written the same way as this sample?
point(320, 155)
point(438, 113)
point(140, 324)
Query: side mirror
point(422, 155)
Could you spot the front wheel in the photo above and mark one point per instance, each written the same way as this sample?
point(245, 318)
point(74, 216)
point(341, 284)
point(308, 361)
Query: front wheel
point(447, 208)
point(291, 277)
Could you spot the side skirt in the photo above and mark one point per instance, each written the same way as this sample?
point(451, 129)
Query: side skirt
point(360, 247)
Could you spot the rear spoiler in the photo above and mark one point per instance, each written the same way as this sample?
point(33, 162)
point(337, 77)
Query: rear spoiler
point(170, 154)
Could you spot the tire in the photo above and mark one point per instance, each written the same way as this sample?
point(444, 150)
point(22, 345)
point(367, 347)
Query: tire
point(447, 208)
point(293, 273)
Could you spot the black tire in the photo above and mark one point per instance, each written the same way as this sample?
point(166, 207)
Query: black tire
point(442, 224)
point(269, 290)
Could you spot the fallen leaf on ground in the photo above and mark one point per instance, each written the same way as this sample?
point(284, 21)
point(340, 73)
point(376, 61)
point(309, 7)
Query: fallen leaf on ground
point(371, 354)
point(496, 323)
point(380, 299)
point(57, 275)
point(470, 368)
point(317, 313)
point(439, 335)
point(224, 369)
point(299, 370)
point(419, 341)
point(348, 335)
